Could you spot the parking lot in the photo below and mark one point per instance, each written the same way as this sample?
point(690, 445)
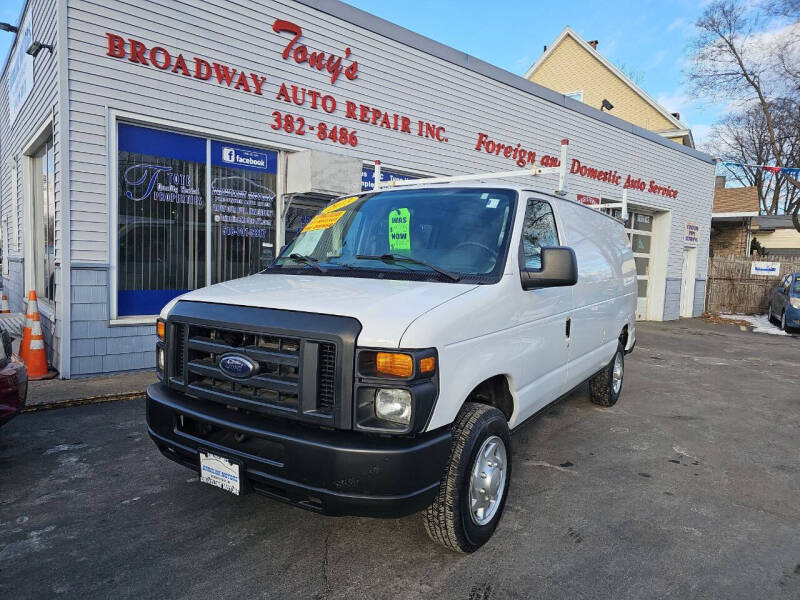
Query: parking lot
point(689, 487)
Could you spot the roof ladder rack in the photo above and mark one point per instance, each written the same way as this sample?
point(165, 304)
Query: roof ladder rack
point(622, 205)
point(561, 170)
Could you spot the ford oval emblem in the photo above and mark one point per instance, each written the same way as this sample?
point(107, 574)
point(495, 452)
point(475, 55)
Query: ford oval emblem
point(238, 366)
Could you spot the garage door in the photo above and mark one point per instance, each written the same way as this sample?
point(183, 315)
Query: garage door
point(639, 228)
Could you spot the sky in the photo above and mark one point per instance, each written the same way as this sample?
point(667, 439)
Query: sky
point(648, 38)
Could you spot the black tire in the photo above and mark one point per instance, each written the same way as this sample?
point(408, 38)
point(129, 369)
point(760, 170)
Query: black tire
point(770, 316)
point(601, 386)
point(448, 520)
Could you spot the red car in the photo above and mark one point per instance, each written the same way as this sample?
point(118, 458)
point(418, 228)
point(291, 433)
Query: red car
point(13, 382)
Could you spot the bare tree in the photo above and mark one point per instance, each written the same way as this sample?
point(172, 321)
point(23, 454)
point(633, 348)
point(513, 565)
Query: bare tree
point(742, 137)
point(749, 53)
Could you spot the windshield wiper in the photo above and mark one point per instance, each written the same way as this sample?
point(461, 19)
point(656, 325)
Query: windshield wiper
point(390, 258)
point(309, 261)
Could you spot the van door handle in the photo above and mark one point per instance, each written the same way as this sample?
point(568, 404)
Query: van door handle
point(569, 326)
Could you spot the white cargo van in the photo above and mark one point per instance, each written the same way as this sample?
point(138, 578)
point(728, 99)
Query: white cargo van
point(379, 365)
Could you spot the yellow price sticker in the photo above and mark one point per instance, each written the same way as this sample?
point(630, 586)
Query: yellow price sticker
point(323, 221)
point(340, 204)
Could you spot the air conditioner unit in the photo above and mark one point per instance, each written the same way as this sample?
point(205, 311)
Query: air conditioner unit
point(322, 174)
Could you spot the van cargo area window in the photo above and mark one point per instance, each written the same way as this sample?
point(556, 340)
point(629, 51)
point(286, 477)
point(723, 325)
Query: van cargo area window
point(163, 222)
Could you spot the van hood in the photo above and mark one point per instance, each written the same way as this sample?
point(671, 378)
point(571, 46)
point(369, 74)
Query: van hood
point(384, 307)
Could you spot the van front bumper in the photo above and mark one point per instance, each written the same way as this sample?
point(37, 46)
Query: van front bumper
point(328, 471)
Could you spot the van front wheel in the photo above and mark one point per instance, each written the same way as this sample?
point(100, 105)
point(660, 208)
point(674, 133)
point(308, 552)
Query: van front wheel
point(475, 484)
point(606, 386)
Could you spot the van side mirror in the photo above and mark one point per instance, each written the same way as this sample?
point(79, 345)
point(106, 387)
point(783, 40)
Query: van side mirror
point(559, 269)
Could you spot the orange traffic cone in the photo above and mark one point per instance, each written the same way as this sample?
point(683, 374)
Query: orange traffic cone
point(4, 309)
point(33, 353)
point(26, 330)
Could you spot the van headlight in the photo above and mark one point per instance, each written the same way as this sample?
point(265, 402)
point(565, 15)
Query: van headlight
point(393, 405)
point(795, 302)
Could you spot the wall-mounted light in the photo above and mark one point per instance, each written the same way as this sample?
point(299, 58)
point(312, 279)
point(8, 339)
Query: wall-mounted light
point(37, 47)
point(8, 27)
point(606, 105)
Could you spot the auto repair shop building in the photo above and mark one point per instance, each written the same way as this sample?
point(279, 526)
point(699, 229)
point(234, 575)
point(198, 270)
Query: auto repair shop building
point(162, 146)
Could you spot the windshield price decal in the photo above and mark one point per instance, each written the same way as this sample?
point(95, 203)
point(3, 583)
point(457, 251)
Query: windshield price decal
point(399, 229)
point(340, 204)
point(323, 221)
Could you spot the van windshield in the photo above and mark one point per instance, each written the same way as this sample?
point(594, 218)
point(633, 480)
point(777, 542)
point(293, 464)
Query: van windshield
point(448, 234)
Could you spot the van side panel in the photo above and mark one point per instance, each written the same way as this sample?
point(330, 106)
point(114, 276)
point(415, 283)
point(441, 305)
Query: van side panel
point(604, 299)
point(496, 333)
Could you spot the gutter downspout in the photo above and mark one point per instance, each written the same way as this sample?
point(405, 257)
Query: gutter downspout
point(65, 368)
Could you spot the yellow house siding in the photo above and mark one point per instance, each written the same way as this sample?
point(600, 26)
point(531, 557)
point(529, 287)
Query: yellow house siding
point(570, 68)
point(780, 238)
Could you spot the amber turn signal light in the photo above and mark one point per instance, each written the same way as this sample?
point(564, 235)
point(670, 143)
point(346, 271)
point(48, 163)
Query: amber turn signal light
point(161, 329)
point(391, 363)
point(427, 365)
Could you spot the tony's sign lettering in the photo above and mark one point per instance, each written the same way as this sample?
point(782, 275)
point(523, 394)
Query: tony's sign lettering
point(315, 59)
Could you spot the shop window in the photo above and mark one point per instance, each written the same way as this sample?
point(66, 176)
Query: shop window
point(44, 214)
point(538, 231)
point(165, 217)
point(243, 184)
point(161, 221)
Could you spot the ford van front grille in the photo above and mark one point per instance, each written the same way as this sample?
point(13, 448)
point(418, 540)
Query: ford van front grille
point(297, 375)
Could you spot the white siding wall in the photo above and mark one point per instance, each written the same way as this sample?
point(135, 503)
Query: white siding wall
point(38, 107)
point(393, 76)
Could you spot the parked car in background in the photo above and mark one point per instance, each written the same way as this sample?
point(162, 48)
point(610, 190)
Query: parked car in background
point(784, 306)
point(13, 382)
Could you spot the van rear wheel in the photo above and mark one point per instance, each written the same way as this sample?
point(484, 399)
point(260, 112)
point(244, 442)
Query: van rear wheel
point(606, 386)
point(475, 484)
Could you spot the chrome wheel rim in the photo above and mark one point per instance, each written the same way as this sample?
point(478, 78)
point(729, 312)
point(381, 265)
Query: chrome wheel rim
point(488, 481)
point(616, 374)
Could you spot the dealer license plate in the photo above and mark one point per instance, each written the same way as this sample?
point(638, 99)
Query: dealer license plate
point(220, 472)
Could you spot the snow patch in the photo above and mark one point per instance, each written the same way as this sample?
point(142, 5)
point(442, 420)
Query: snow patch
point(760, 323)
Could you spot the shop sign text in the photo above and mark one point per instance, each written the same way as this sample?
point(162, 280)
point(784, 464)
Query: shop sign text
point(20, 70)
point(315, 59)
point(691, 234)
point(523, 157)
point(763, 267)
point(196, 67)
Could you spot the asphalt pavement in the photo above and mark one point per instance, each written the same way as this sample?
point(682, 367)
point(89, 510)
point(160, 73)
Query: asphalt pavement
point(688, 488)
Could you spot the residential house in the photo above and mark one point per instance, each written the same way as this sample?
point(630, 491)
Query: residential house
point(731, 217)
point(574, 67)
point(777, 235)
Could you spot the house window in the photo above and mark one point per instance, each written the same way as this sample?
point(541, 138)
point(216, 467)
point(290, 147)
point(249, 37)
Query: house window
point(166, 219)
point(44, 210)
point(576, 95)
